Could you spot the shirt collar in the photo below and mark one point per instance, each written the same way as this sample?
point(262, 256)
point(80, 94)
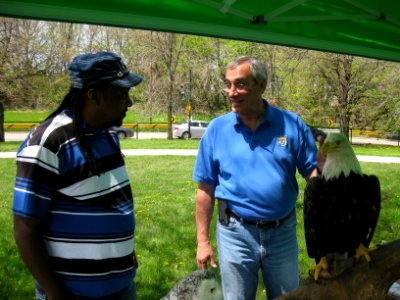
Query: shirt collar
point(85, 126)
point(268, 117)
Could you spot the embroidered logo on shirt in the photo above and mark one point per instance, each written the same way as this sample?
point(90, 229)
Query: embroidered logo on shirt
point(282, 141)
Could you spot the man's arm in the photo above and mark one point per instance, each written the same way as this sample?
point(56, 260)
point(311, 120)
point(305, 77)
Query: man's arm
point(27, 235)
point(314, 173)
point(204, 211)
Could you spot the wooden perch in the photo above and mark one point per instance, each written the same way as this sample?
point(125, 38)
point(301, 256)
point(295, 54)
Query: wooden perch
point(361, 282)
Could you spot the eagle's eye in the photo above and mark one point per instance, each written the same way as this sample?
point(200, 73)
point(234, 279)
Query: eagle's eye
point(212, 290)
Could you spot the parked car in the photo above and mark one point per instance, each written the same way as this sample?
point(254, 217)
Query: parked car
point(122, 132)
point(197, 129)
point(317, 133)
point(395, 135)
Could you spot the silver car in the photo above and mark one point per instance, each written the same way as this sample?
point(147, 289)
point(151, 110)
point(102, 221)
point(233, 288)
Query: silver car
point(197, 129)
point(122, 132)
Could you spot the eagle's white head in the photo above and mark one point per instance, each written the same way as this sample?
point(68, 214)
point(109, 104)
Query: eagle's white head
point(340, 157)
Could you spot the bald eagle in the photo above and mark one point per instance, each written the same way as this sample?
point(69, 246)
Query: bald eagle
point(341, 207)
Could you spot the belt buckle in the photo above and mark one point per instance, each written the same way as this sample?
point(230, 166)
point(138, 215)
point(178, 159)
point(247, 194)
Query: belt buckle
point(267, 224)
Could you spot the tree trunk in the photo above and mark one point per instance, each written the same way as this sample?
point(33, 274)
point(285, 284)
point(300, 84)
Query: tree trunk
point(362, 282)
point(344, 122)
point(169, 112)
point(2, 137)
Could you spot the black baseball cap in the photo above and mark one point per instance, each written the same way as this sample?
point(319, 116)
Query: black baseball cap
point(95, 69)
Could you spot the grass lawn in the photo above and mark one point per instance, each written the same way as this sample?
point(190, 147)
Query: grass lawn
point(132, 143)
point(165, 239)
point(136, 114)
point(29, 116)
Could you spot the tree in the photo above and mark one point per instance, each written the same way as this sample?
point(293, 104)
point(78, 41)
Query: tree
point(383, 101)
point(203, 58)
point(320, 87)
point(170, 46)
point(149, 52)
point(6, 36)
point(2, 139)
point(349, 80)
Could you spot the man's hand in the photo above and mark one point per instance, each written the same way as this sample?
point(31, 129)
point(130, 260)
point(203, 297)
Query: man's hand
point(205, 254)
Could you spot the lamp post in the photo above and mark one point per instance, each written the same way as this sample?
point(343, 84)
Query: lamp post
point(186, 91)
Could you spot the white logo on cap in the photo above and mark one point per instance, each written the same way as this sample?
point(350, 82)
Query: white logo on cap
point(120, 74)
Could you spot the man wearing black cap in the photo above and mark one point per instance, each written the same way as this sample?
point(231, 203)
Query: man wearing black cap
point(73, 204)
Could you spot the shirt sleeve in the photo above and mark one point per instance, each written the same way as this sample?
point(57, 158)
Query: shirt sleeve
point(206, 170)
point(307, 156)
point(37, 170)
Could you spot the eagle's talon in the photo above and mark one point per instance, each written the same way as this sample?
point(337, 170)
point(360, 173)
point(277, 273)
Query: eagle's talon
point(376, 248)
point(325, 274)
point(320, 267)
point(364, 251)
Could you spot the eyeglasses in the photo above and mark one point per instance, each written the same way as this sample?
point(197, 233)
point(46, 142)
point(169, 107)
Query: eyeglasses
point(239, 86)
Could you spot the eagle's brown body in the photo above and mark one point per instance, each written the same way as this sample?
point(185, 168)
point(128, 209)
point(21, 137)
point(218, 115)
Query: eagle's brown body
point(340, 214)
point(341, 208)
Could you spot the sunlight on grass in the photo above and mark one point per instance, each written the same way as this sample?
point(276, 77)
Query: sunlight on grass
point(377, 150)
point(132, 143)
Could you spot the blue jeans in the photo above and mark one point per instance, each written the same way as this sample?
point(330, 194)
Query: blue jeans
point(244, 249)
point(128, 293)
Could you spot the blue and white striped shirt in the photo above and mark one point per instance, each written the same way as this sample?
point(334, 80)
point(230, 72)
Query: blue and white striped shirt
point(88, 219)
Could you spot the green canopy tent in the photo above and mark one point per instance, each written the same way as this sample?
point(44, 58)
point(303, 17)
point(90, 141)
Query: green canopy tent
point(369, 28)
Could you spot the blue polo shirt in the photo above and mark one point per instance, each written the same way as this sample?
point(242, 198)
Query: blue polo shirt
point(256, 171)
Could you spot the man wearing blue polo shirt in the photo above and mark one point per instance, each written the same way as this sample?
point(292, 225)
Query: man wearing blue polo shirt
point(247, 160)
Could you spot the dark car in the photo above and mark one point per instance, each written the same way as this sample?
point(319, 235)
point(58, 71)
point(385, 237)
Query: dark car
point(122, 132)
point(395, 135)
point(317, 133)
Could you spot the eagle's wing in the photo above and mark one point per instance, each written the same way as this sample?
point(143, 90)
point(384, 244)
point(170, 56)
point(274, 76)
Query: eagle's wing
point(312, 202)
point(357, 211)
point(372, 207)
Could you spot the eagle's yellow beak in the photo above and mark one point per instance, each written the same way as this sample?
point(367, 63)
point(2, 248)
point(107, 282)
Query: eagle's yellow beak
point(328, 147)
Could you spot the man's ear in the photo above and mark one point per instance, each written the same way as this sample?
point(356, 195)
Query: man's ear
point(93, 96)
point(263, 85)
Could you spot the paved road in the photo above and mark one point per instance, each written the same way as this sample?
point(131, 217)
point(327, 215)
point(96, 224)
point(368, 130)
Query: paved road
point(13, 136)
point(142, 152)
point(20, 136)
point(193, 152)
point(369, 140)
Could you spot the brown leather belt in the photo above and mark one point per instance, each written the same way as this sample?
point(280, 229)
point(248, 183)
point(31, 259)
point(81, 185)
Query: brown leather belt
point(262, 224)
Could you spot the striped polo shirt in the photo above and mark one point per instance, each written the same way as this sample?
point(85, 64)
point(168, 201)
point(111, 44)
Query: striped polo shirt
point(88, 219)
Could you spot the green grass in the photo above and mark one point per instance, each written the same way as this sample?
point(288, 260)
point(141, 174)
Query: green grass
point(377, 150)
point(159, 144)
point(369, 149)
point(134, 115)
point(130, 144)
point(22, 116)
point(9, 146)
point(15, 281)
point(165, 236)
